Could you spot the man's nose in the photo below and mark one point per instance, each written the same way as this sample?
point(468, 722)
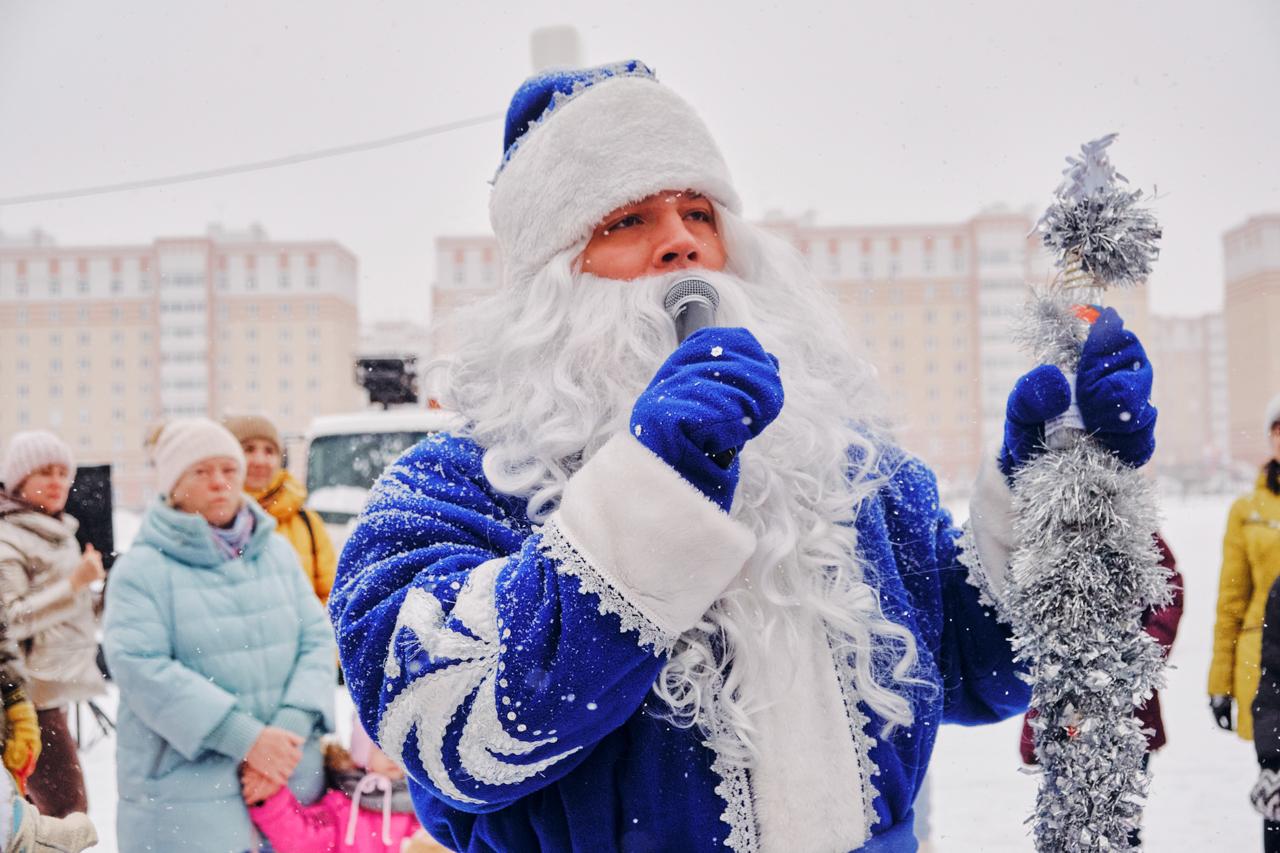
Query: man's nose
point(676, 247)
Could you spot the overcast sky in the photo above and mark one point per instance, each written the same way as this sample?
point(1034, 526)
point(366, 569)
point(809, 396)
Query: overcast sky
point(862, 112)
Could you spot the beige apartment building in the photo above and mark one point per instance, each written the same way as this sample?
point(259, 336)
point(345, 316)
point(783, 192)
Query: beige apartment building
point(1190, 359)
point(99, 343)
point(932, 306)
point(1251, 261)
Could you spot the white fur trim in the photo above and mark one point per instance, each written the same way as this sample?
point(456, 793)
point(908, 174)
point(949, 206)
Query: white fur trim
point(655, 538)
point(989, 533)
point(809, 781)
point(556, 545)
point(618, 141)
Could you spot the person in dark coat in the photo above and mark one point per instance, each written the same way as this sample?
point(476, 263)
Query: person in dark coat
point(1162, 624)
point(1266, 726)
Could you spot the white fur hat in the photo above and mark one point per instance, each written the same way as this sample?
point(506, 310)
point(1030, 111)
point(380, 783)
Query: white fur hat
point(581, 143)
point(186, 441)
point(1273, 411)
point(29, 451)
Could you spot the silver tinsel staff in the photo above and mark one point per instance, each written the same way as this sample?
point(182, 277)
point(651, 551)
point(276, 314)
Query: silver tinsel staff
point(1086, 566)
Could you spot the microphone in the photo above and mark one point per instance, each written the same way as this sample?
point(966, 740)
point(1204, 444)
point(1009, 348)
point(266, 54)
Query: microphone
point(692, 302)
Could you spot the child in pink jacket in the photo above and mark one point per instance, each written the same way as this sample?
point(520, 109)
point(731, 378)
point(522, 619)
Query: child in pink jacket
point(365, 810)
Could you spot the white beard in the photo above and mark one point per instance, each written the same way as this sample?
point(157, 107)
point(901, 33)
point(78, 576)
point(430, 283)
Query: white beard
point(551, 372)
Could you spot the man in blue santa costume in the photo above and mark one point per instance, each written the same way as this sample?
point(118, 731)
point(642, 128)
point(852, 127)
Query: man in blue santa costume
point(581, 622)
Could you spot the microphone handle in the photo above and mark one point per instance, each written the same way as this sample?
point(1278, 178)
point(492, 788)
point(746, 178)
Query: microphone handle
point(694, 315)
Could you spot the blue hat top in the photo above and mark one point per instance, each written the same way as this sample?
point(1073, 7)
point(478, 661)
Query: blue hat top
point(540, 95)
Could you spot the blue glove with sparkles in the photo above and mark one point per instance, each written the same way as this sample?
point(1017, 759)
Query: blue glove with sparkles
point(716, 392)
point(1113, 390)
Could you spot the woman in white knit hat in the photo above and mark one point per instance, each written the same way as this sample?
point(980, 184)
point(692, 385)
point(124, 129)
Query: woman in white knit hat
point(223, 656)
point(46, 586)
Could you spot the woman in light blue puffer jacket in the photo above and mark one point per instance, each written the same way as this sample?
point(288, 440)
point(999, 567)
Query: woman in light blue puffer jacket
point(223, 656)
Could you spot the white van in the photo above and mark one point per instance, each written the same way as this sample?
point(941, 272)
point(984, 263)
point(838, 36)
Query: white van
point(345, 454)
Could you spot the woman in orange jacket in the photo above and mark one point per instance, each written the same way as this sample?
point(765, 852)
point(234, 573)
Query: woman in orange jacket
point(267, 482)
point(1250, 565)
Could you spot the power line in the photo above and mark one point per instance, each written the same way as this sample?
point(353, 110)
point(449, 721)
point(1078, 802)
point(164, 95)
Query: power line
point(258, 165)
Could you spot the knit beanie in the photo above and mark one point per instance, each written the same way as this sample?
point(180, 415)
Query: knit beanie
point(184, 442)
point(248, 427)
point(30, 451)
point(1273, 411)
point(580, 143)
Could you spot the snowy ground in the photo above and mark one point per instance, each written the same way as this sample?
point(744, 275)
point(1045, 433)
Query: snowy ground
point(1199, 797)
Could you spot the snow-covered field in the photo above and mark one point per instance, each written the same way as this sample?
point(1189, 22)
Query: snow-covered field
point(980, 798)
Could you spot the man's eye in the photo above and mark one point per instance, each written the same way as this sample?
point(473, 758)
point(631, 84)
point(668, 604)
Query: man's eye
point(625, 222)
point(699, 215)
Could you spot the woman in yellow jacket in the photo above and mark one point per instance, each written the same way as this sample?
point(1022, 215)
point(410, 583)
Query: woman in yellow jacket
point(1250, 565)
point(267, 482)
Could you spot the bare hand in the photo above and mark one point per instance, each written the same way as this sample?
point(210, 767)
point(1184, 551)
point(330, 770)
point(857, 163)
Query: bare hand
point(275, 754)
point(256, 788)
point(89, 570)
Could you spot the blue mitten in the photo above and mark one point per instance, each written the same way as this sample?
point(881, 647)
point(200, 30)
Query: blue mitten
point(717, 391)
point(1040, 395)
point(1113, 390)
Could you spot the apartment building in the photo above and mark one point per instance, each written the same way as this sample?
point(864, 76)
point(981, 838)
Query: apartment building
point(99, 343)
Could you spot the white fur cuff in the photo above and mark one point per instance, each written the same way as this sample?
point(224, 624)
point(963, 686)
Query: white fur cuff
point(990, 532)
point(617, 142)
point(652, 536)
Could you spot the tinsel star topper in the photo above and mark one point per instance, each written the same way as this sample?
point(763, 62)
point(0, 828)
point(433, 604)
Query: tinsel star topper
point(1103, 236)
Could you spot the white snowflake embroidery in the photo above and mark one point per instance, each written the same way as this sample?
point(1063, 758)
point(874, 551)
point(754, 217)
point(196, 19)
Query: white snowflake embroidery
point(431, 700)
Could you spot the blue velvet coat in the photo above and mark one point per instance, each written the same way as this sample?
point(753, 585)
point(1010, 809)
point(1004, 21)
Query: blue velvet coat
point(515, 684)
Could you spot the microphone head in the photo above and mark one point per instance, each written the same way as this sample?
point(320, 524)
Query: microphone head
point(689, 288)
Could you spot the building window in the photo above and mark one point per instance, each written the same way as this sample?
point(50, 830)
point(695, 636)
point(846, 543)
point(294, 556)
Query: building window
point(55, 391)
point(252, 385)
point(117, 313)
point(84, 365)
point(117, 363)
point(285, 309)
point(23, 392)
point(55, 287)
point(82, 286)
point(284, 281)
point(22, 287)
point(117, 415)
point(84, 416)
point(117, 286)
point(313, 333)
point(24, 418)
point(251, 334)
point(284, 385)
point(55, 315)
point(250, 283)
point(23, 365)
point(83, 339)
point(23, 339)
point(312, 281)
point(313, 358)
point(55, 365)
